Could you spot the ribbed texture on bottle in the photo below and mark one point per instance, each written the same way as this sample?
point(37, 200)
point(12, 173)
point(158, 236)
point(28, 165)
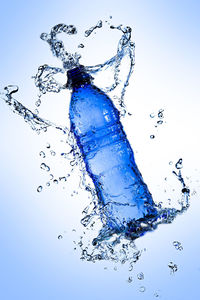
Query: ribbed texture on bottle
point(77, 76)
point(102, 137)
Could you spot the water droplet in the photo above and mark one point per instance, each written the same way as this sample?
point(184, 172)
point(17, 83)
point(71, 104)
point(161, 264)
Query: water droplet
point(81, 46)
point(130, 279)
point(142, 289)
point(156, 294)
point(152, 115)
point(44, 36)
point(53, 153)
point(39, 189)
point(48, 183)
point(48, 145)
point(51, 176)
point(173, 267)
point(159, 122)
point(140, 276)
point(42, 154)
point(63, 178)
point(55, 181)
point(43, 166)
point(152, 136)
point(186, 191)
point(44, 129)
point(170, 163)
point(60, 237)
point(179, 165)
point(130, 267)
point(64, 155)
point(178, 245)
point(160, 114)
point(38, 103)
point(194, 193)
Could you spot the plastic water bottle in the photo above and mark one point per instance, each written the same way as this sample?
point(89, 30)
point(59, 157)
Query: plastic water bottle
point(107, 154)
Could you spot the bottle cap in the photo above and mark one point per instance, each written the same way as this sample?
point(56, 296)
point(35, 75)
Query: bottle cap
point(77, 76)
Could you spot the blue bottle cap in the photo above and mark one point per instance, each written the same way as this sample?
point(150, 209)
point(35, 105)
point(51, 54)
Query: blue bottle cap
point(77, 76)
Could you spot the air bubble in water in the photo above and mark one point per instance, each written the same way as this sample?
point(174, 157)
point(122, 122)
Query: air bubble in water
point(48, 145)
point(152, 136)
point(60, 237)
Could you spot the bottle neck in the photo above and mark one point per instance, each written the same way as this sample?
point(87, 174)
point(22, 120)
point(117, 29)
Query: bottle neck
point(77, 77)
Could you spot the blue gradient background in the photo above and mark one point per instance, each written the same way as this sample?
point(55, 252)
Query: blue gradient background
point(34, 264)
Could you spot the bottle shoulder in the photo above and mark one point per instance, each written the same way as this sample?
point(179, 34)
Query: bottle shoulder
point(90, 90)
point(90, 109)
point(88, 95)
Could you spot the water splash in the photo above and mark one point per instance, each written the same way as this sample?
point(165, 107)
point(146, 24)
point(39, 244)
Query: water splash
point(57, 46)
point(107, 245)
point(36, 123)
point(89, 31)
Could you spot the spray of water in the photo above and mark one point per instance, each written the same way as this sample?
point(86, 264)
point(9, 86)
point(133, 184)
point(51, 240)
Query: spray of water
point(107, 245)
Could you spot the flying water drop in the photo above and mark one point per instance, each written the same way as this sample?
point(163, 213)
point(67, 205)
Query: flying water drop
point(39, 189)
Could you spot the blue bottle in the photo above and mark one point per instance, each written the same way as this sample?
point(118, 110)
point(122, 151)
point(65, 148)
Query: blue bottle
point(108, 157)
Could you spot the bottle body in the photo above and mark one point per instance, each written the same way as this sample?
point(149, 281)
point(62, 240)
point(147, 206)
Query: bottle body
point(108, 156)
